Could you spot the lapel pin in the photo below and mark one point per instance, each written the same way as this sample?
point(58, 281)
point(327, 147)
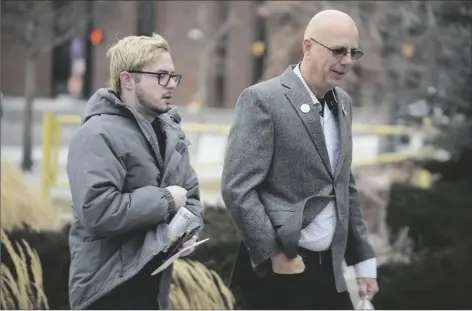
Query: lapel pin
point(305, 108)
point(343, 109)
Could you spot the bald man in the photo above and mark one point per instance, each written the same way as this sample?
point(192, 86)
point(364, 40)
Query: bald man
point(287, 180)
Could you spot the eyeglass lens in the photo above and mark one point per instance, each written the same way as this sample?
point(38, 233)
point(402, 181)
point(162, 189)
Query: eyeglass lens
point(355, 54)
point(164, 78)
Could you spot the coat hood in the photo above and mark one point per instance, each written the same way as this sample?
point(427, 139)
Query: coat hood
point(103, 101)
point(106, 101)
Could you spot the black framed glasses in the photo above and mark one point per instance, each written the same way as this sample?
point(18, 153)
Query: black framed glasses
point(356, 54)
point(163, 78)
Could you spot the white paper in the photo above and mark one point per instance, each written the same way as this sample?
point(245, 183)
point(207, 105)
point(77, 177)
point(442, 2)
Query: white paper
point(169, 261)
point(365, 304)
point(180, 223)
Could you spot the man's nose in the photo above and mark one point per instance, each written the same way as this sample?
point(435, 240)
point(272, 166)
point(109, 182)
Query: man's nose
point(347, 59)
point(172, 84)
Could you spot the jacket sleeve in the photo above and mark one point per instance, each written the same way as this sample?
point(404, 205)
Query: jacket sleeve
point(96, 176)
point(247, 162)
point(358, 248)
point(193, 197)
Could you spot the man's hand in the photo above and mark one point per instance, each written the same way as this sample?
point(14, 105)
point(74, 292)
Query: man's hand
point(191, 241)
point(283, 265)
point(367, 288)
point(179, 194)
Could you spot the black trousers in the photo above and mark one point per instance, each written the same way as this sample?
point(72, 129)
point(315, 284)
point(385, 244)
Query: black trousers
point(138, 293)
point(314, 289)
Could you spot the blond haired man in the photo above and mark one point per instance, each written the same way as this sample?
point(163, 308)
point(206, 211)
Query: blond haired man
point(129, 173)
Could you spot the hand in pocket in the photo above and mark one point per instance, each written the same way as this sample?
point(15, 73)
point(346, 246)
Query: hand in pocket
point(283, 265)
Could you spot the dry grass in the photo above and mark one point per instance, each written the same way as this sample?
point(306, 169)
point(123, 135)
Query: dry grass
point(21, 203)
point(22, 289)
point(195, 287)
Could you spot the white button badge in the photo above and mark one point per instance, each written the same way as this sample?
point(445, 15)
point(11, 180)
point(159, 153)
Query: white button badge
point(305, 108)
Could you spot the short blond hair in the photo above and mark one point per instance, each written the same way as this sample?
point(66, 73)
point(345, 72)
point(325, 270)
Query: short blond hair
point(133, 53)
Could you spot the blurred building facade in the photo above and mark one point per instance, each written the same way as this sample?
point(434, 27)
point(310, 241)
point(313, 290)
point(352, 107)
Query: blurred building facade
point(232, 65)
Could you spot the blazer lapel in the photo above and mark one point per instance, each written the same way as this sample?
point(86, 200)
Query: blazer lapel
point(298, 96)
point(343, 132)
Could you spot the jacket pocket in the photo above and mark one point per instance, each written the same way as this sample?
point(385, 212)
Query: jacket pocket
point(87, 257)
point(131, 248)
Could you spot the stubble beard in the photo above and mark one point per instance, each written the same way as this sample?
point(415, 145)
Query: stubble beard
point(148, 108)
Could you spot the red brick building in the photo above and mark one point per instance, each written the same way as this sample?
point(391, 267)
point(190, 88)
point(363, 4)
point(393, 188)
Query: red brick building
point(232, 64)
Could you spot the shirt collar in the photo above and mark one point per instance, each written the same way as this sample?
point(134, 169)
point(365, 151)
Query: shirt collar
point(330, 97)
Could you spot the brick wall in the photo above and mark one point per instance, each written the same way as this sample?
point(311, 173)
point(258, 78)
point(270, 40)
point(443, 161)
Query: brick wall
point(173, 20)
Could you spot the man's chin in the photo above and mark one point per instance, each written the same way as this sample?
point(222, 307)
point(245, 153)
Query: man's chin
point(334, 82)
point(163, 108)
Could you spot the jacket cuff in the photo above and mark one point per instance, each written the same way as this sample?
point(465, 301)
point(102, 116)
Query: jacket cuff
point(171, 206)
point(263, 254)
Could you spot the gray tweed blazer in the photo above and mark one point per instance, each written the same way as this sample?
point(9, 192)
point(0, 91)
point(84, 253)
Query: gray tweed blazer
point(277, 175)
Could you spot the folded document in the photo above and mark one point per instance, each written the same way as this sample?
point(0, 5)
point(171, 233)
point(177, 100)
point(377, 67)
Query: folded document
point(180, 230)
point(171, 259)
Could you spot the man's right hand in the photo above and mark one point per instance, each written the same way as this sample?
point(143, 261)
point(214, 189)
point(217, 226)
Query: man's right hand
point(179, 194)
point(283, 265)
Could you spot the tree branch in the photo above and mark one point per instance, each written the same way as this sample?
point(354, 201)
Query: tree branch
point(67, 27)
point(36, 9)
point(13, 8)
point(41, 18)
point(13, 34)
point(222, 31)
point(59, 39)
point(10, 29)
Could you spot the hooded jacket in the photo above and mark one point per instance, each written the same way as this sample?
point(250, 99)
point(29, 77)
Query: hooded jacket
point(120, 205)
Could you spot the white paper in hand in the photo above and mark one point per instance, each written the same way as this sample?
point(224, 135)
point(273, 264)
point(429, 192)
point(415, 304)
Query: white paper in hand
point(365, 304)
point(169, 261)
point(180, 223)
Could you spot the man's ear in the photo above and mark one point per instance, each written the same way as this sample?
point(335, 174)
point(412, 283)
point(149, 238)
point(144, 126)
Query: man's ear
point(306, 47)
point(127, 81)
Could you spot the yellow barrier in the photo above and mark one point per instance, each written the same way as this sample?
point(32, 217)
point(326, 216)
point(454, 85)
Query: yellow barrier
point(197, 128)
point(52, 125)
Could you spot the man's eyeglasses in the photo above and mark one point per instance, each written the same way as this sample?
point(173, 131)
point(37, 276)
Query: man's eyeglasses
point(356, 54)
point(163, 78)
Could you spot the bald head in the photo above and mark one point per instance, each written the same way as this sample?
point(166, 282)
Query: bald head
point(331, 40)
point(328, 23)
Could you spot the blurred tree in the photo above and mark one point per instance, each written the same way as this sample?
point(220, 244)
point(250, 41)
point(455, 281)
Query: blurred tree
point(211, 32)
point(439, 275)
point(41, 26)
point(455, 98)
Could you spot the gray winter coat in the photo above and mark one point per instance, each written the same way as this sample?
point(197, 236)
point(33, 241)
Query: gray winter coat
point(120, 207)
